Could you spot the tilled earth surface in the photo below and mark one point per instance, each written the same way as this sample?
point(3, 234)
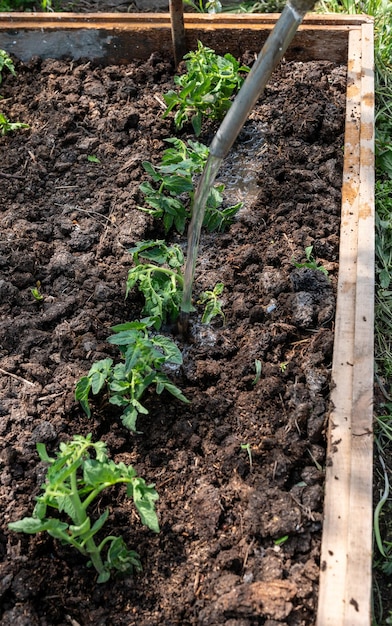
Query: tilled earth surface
point(239, 469)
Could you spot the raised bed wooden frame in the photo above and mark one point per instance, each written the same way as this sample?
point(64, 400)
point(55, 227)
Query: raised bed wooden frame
point(346, 556)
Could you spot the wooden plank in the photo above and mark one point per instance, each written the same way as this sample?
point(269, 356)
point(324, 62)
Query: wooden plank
point(359, 541)
point(118, 38)
point(333, 551)
point(345, 570)
point(131, 21)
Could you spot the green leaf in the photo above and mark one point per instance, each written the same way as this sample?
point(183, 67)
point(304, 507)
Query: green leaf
point(153, 250)
point(147, 189)
point(66, 504)
point(161, 286)
point(170, 350)
point(7, 127)
point(136, 326)
point(98, 524)
point(98, 379)
point(196, 123)
point(258, 371)
point(118, 400)
point(40, 510)
point(31, 526)
point(4, 124)
point(122, 559)
point(384, 148)
point(384, 278)
point(43, 455)
point(137, 358)
point(120, 386)
point(99, 374)
point(129, 418)
point(163, 383)
point(177, 184)
point(213, 306)
point(145, 497)
point(103, 576)
point(212, 309)
point(206, 88)
point(150, 169)
point(82, 392)
point(70, 491)
point(124, 337)
point(6, 62)
point(96, 473)
point(171, 99)
point(139, 407)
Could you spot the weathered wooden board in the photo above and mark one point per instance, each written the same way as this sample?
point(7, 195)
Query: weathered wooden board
point(118, 38)
point(346, 559)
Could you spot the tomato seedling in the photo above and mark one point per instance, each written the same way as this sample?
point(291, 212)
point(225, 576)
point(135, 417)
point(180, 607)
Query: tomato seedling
point(205, 90)
point(161, 281)
point(258, 372)
point(311, 262)
point(6, 62)
point(213, 305)
point(247, 447)
point(5, 125)
point(8, 127)
point(73, 481)
point(144, 357)
point(169, 197)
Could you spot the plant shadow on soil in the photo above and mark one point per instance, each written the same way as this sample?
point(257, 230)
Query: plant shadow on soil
point(68, 222)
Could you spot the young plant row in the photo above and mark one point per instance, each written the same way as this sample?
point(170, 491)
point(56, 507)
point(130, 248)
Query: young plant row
point(81, 469)
point(157, 267)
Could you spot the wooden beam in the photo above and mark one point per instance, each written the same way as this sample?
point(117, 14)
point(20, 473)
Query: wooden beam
point(120, 38)
point(345, 569)
point(359, 580)
point(133, 20)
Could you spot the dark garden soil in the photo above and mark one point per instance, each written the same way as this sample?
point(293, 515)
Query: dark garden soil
point(240, 535)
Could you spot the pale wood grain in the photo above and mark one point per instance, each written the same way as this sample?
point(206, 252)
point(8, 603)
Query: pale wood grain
point(345, 576)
